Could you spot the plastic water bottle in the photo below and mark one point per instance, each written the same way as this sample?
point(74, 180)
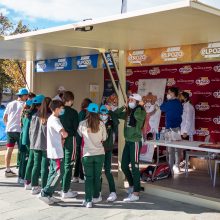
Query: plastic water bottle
point(162, 134)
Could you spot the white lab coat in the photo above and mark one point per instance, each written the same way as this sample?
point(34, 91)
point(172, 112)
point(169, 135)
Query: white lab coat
point(188, 119)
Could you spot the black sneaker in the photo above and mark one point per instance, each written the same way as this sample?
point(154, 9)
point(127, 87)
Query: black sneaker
point(10, 173)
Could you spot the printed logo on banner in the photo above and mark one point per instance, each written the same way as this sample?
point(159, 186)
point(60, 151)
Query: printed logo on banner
point(186, 81)
point(129, 72)
point(40, 66)
point(202, 106)
point(202, 132)
point(84, 62)
point(212, 51)
point(216, 94)
point(203, 68)
point(60, 64)
point(217, 120)
point(137, 57)
point(206, 94)
point(185, 69)
point(217, 68)
point(215, 106)
point(172, 54)
point(189, 92)
point(215, 80)
point(171, 82)
point(170, 70)
point(206, 120)
point(154, 71)
point(202, 81)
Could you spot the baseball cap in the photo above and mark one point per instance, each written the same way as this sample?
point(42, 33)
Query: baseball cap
point(93, 108)
point(22, 91)
point(38, 99)
point(135, 96)
point(103, 110)
point(29, 102)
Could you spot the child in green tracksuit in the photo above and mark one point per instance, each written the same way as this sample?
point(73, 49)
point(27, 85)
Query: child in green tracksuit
point(93, 133)
point(111, 123)
point(24, 139)
point(36, 103)
point(38, 137)
point(70, 123)
point(134, 117)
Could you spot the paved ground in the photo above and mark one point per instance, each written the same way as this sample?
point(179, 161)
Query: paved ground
point(16, 203)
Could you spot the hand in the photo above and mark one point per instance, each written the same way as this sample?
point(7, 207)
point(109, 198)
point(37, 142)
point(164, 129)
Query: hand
point(141, 103)
point(64, 133)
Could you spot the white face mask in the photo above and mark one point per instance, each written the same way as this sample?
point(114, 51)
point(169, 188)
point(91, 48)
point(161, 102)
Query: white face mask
point(132, 105)
point(104, 118)
point(169, 96)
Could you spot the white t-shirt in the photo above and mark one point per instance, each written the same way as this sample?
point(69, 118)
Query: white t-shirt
point(14, 111)
point(92, 141)
point(54, 139)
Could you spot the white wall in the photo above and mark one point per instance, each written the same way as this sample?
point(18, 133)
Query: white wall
point(76, 81)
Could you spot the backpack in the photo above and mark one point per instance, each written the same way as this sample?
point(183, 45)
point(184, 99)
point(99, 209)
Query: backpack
point(158, 172)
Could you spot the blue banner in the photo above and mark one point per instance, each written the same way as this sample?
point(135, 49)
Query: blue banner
point(85, 62)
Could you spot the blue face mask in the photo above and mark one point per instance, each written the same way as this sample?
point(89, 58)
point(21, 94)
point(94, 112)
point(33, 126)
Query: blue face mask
point(62, 112)
point(104, 117)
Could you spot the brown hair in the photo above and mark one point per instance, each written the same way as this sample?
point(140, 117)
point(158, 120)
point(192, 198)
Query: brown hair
point(85, 103)
point(68, 96)
point(54, 104)
point(45, 110)
point(93, 122)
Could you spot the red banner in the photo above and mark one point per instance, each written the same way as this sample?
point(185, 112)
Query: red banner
point(201, 80)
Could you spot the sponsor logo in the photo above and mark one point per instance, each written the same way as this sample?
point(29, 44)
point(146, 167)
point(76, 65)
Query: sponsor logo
point(137, 57)
point(215, 80)
point(206, 94)
point(185, 81)
point(174, 70)
point(129, 72)
point(60, 64)
point(215, 132)
point(84, 62)
point(204, 119)
point(216, 94)
point(204, 68)
point(217, 68)
point(202, 132)
point(202, 81)
point(172, 54)
point(41, 65)
point(215, 106)
point(185, 69)
point(217, 120)
point(171, 82)
point(202, 106)
point(154, 71)
point(212, 51)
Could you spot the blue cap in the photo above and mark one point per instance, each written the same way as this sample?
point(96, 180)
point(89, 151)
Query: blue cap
point(38, 99)
point(103, 110)
point(22, 91)
point(29, 102)
point(93, 108)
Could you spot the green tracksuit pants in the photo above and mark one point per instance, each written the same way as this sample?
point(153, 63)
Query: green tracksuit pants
point(68, 163)
point(54, 178)
point(40, 168)
point(29, 167)
point(130, 155)
point(24, 154)
point(93, 171)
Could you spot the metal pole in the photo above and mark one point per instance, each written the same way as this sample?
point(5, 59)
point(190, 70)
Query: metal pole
point(117, 71)
point(110, 73)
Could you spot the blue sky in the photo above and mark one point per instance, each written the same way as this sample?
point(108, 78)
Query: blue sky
point(49, 13)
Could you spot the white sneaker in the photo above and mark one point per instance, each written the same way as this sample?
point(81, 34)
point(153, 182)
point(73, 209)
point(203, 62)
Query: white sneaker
point(10, 173)
point(176, 169)
point(130, 190)
point(84, 203)
point(55, 200)
point(81, 181)
point(20, 181)
point(75, 180)
point(89, 205)
point(131, 198)
point(46, 199)
point(112, 197)
point(35, 190)
point(69, 194)
point(96, 200)
point(27, 187)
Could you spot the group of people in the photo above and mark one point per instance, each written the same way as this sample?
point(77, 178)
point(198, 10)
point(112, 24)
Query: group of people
point(52, 137)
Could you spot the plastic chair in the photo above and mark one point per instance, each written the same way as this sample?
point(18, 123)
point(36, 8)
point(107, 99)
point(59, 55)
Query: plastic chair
point(199, 154)
point(217, 162)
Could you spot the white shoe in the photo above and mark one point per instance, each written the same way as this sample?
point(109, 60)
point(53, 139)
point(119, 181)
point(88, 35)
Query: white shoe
point(89, 205)
point(84, 203)
point(55, 200)
point(46, 199)
point(176, 169)
point(10, 173)
point(112, 197)
point(130, 190)
point(35, 190)
point(20, 181)
point(27, 187)
point(81, 181)
point(131, 198)
point(69, 194)
point(96, 200)
point(75, 180)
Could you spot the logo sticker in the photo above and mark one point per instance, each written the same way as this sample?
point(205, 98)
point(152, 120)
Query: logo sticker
point(202, 81)
point(172, 54)
point(185, 69)
point(154, 71)
point(202, 106)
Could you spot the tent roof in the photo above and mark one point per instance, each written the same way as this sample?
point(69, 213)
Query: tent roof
point(181, 23)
